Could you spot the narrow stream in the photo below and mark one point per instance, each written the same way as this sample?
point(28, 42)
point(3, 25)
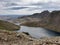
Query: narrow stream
point(38, 32)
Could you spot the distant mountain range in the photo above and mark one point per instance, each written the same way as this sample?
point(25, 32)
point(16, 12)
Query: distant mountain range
point(38, 15)
point(45, 19)
point(9, 17)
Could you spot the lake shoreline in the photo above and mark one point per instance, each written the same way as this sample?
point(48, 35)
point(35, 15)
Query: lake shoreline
point(37, 31)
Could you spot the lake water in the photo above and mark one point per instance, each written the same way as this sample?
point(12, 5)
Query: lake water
point(38, 32)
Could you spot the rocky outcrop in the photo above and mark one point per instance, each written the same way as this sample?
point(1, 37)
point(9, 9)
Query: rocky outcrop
point(14, 38)
point(45, 19)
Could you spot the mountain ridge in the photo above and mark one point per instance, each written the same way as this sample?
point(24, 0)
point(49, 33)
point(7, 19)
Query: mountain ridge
point(45, 19)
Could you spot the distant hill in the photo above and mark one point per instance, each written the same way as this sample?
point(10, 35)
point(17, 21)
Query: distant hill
point(8, 26)
point(45, 19)
point(9, 17)
point(38, 15)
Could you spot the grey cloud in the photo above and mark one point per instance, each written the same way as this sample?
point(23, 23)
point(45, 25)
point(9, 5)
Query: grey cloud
point(11, 4)
point(16, 8)
point(19, 5)
point(47, 6)
point(31, 9)
point(4, 0)
point(38, 4)
point(10, 0)
point(44, 8)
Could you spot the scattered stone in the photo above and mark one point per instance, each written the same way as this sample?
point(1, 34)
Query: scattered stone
point(26, 33)
point(14, 38)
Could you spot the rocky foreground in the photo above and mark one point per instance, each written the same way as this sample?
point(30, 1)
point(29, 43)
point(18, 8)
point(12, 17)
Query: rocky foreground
point(14, 38)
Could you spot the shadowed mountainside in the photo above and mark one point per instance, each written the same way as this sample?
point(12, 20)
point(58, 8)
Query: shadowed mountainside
point(8, 26)
point(45, 19)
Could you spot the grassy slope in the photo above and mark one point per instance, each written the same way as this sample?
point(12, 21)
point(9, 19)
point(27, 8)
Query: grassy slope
point(8, 26)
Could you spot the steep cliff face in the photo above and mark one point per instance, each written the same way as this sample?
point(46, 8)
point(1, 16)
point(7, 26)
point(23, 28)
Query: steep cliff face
point(55, 17)
point(54, 21)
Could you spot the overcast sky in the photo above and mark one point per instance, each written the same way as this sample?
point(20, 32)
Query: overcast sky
point(27, 6)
